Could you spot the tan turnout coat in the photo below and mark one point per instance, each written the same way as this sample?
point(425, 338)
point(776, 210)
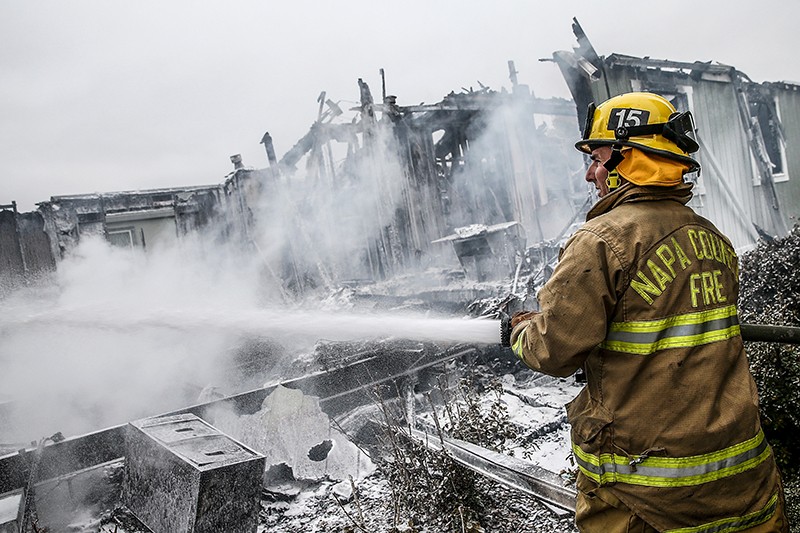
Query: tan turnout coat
point(644, 299)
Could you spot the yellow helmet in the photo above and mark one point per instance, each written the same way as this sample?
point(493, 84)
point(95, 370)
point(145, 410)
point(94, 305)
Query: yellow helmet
point(642, 120)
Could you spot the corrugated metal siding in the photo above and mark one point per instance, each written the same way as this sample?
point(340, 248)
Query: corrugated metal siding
point(789, 191)
point(723, 137)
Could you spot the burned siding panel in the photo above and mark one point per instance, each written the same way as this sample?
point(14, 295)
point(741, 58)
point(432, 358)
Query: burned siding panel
point(25, 252)
point(36, 249)
point(12, 266)
point(724, 145)
point(789, 191)
point(617, 80)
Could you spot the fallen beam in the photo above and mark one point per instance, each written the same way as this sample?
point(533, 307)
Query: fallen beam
point(509, 471)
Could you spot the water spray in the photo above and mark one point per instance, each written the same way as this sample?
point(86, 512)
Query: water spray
point(333, 325)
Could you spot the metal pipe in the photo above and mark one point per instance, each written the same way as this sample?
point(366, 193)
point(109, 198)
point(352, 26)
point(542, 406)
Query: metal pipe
point(770, 333)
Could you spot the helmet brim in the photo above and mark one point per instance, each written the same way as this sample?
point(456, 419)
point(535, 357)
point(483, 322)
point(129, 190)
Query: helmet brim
point(588, 146)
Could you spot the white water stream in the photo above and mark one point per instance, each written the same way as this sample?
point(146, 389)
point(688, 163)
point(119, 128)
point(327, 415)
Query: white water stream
point(309, 325)
point(78, 367)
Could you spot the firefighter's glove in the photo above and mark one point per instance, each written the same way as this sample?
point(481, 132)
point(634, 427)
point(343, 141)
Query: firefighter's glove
point(521, 316)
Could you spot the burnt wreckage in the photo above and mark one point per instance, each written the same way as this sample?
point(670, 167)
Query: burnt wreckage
point(482, 185)
point(386, 188)
point(384, 192)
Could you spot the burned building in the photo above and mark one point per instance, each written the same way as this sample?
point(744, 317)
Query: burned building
point(135, 219)
point(382, 188)
point(388, 189)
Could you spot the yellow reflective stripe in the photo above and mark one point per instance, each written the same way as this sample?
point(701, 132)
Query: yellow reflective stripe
point(685, 341)
point(517, 347)
point(735, 523)
point(681, 331)
point(673, 471)
point(678, 320)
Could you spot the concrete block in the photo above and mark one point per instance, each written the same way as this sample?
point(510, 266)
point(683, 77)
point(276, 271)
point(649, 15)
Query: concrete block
point(9, 510)
point(183, 475)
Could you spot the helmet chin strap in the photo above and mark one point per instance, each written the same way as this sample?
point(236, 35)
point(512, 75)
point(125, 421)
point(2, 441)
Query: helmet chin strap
point(613, 180)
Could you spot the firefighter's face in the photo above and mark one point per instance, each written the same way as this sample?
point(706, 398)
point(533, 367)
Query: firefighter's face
point(597, 173)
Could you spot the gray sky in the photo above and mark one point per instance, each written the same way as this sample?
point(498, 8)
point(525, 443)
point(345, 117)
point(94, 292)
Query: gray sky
point(105, 95)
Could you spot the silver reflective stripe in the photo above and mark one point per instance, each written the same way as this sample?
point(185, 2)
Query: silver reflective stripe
point(652, 337)
point(691, 471)
point(680, 331)
point(673, 471)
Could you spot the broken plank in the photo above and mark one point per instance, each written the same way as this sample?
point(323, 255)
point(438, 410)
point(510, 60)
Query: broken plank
point(509, 471)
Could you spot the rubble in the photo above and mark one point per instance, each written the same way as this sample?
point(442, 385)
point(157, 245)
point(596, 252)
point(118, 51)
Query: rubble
point(291, 429)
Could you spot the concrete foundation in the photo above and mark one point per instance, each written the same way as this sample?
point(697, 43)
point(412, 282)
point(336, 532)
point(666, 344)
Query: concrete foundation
point(184, 475)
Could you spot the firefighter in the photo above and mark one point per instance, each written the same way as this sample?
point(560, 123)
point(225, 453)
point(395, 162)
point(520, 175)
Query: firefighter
point(666, 432)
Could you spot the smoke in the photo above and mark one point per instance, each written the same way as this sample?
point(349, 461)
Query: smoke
point(120, 334)
point(520, 166)
point(77, 356)
point(332, 221)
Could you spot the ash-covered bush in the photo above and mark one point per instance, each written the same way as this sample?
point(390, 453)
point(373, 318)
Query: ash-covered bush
point(770, 294)
point(476, 413)
point(428, 487)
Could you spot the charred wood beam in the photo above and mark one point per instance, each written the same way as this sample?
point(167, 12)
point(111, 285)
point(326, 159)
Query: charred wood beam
point(509, 471)
point(300, 148)
point(318, 134)
point(545, 106)
point(266, 140)
point(697, 66)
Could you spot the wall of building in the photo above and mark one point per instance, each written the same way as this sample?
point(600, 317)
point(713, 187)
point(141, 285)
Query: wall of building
point(25, 252)
point(11, 263)
point(733, 196)
point(788, 97)
point(142, 229)
point(35, 244)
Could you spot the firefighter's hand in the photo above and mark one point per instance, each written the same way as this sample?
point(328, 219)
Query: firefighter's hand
point(521, 316)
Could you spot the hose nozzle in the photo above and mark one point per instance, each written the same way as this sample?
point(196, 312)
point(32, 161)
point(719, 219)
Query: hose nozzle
point(505, 330)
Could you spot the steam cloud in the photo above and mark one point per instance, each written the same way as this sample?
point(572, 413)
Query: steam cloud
point(120, 334)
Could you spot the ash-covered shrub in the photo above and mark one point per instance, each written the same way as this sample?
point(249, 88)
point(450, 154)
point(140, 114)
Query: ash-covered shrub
point(770, 294)
point(428, 487)
point(476, 413)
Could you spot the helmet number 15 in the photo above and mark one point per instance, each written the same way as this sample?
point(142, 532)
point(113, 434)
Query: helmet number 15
point(627, 117)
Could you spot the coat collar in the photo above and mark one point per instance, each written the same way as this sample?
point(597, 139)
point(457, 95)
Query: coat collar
point(634, 193)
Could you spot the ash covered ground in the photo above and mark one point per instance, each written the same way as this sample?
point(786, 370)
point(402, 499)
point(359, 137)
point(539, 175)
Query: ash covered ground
point(530, 424)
